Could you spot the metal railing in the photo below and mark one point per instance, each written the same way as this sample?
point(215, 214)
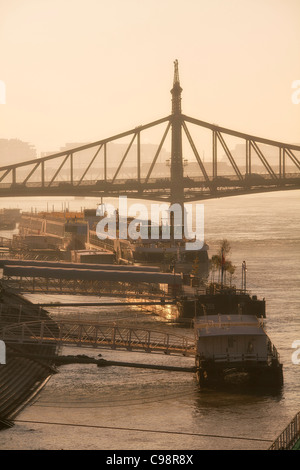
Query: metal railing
point(85, 287)
point(97, 335)
point(239, 358)
point(289, 436)
point(223, 180)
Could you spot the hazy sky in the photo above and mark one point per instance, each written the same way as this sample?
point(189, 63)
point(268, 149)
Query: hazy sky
point(83, 70)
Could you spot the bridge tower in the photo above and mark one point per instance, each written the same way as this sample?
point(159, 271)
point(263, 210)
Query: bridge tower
point(177, 189)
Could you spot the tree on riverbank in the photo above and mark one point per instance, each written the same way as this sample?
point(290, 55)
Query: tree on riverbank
point(222, 265)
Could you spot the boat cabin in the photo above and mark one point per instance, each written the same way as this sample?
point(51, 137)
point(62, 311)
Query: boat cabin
point(231, 338)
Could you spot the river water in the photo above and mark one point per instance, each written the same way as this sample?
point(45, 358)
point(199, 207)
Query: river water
point(117, 408)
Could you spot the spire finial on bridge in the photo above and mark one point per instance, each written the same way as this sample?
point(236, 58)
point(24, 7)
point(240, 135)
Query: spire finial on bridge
point(176, 73)
point(177, 189)
point(176, 91)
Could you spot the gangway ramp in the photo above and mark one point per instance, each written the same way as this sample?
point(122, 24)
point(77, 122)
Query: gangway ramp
point(98, 335)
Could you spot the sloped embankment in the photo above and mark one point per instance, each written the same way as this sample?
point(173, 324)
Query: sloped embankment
point(24, 374)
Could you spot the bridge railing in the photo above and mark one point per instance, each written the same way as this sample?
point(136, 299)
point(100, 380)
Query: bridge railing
point(254, 179)
point(65, 183)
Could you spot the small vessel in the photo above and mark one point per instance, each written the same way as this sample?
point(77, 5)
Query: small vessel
point(68, 232)
point(234, 351)
point(168, 254)
point(60, 231)
point(219, 299)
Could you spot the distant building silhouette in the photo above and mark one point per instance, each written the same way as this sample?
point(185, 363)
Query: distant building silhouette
point(115, 152)
point(270, 152)
point(15, 151)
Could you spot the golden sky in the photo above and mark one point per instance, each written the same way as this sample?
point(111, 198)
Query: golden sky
point(83, 70)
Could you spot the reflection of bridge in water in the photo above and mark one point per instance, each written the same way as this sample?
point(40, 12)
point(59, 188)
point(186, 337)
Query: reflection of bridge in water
point(97, 335)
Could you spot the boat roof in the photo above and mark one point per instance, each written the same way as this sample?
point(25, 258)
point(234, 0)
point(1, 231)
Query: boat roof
point(231, 331)
point(234, 318)
point(226, 325)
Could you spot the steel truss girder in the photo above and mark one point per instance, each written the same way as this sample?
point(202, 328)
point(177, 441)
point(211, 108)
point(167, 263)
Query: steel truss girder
point(191, 142)
point(263, 159)
point(229, 155)
point(218, 133)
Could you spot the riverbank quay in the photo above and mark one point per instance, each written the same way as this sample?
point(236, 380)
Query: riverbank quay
point(22, 375)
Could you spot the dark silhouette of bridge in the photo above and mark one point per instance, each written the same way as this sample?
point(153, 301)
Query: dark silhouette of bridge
point(60, 174)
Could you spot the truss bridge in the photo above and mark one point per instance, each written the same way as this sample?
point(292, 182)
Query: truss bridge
point(94, 170)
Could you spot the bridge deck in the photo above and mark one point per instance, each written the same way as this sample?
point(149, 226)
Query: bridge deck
point(193, 190)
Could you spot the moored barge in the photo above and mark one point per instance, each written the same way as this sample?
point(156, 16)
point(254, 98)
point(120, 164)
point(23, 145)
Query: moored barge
point(216, 299)
point(234, 351)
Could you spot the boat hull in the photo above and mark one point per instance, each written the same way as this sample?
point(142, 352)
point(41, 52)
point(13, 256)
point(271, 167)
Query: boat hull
point(240, 375)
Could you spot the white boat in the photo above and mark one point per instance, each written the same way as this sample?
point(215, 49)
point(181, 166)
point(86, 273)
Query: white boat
point(234, 351)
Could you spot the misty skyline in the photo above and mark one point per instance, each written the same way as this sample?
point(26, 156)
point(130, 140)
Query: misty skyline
point(81, 71)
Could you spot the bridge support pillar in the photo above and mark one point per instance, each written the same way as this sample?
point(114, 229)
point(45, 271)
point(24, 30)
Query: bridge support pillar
point(177, 186)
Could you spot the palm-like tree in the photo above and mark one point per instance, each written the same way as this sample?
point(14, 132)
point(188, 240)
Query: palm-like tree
point(221, 264)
